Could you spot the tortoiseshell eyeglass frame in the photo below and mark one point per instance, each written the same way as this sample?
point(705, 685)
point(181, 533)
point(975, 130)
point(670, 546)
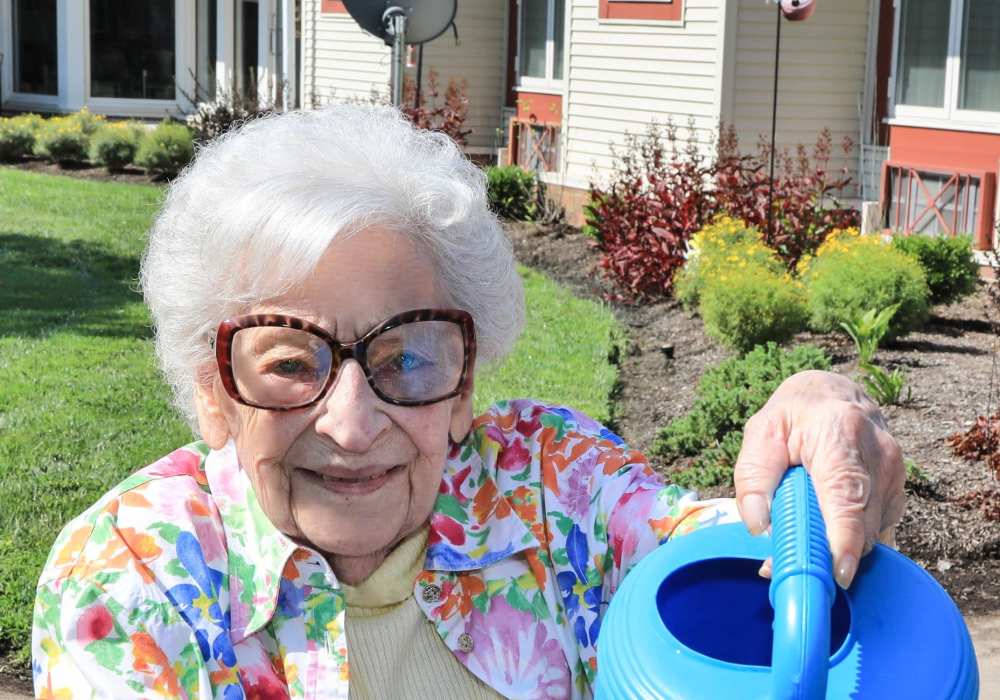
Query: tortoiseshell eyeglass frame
point(223, 344)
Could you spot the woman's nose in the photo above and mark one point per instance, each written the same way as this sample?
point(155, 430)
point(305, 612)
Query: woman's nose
point(352, 413)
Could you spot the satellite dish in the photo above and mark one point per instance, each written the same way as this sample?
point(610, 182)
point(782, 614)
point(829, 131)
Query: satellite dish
point(425, 19)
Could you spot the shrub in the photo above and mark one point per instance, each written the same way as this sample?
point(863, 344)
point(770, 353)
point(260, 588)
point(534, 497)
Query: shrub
point(228, 111)
point(511, 190)
point(446, 115)
point(805, 207)
point(88, 122)
point(726, 244)
point(852, 273)
point(17, 136)
point(62, 140)
point(948, 262)
point(166, 149)
point(661, 191)
point(115, 145)
point(751, 305)
point(726, 396)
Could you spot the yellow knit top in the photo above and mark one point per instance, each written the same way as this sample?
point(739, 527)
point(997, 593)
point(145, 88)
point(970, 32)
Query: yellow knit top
point(395, 653)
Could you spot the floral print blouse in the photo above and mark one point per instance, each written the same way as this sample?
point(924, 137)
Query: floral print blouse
point(176, 585)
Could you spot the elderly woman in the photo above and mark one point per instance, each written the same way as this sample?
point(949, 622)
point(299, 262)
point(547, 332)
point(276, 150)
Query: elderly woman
point(324, 285)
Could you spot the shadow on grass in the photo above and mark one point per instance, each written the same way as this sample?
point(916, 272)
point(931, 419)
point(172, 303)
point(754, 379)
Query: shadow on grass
point(48, 285)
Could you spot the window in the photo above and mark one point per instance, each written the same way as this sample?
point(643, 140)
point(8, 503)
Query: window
point(132, 49)
point(980, 67)
point(36, 60)
point(542, 36)
point(948, 60)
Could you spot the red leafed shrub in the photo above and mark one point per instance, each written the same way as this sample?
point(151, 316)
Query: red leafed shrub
point(657, 199)
point(981, 441)
point(804, 205)
point(662, 191)
point(986, 500)
point(447, 116)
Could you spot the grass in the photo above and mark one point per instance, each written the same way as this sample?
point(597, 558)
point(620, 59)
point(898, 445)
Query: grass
point(82, 405)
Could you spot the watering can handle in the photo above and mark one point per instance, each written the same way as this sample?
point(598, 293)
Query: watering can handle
point(802, 591)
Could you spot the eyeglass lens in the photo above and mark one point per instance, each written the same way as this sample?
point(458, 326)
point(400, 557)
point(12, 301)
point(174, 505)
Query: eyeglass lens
point(280, 367)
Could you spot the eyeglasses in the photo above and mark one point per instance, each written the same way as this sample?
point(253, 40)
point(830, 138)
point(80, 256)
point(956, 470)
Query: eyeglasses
point(281, 362)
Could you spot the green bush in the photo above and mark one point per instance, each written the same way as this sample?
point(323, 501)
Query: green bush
point(726, 397)
point(115, 145)
point(951, 270)
point(17, 136)
point(511, 191)
point(723, 247)
point(859, 273)
point(166, 149)
point(62, 140)
point(752, 305)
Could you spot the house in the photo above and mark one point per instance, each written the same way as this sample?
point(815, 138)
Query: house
point(145, 58)
point(553, 84)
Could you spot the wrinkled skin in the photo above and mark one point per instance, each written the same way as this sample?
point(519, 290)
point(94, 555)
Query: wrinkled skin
point(825, 422)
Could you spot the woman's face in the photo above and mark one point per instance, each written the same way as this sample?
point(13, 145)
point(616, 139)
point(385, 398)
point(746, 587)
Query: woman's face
point(351, 475)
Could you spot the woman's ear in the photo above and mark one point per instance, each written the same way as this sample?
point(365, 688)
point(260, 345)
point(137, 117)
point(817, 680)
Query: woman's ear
point(212, 422)
point(461, 413)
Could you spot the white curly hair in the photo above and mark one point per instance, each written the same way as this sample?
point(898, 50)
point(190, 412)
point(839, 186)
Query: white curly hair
point(251, 216)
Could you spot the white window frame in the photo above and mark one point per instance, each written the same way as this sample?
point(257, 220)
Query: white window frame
point(949, 116)
point(548, 83)
point(24, 100)
point(184, 58)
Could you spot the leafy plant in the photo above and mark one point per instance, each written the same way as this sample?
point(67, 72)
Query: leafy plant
point(868, 330)
point(115, 145)
point(727, 395)
point(852, 273)
point(663, 189)
point(915, 476)
point(885, 387)
point(511, 191)
point(166, 149)
point(750, 305)
point(446, 113)
point(62, 140)
point(980, 442)
point(17, 136)
point(723, 247)
point(948, 263)
point(229, 110)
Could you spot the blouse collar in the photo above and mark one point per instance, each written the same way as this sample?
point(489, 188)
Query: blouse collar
point(472, 526)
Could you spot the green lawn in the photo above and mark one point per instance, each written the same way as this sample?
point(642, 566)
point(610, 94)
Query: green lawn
point(81, 403)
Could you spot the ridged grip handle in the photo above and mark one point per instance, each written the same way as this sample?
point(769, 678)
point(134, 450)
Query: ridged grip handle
point(802, 591)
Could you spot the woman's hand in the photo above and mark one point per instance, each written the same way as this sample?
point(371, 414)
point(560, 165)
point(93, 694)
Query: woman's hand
point(826, 422)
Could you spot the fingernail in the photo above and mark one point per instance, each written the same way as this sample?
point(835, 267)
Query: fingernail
point(846, 569)
point(755, 514)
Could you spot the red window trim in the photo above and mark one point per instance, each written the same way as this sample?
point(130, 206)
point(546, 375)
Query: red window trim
point(333, 6)
point(630, 9)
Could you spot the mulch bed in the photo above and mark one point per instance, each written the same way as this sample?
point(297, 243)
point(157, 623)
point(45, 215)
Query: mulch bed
point(86, 171)
point(949, 368)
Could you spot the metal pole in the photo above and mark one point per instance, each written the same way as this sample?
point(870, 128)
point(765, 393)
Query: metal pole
point(774, 123)
point(395, 20)
point(420, 70)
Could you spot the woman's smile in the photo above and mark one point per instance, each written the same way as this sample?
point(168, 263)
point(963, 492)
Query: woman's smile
point(362, 482)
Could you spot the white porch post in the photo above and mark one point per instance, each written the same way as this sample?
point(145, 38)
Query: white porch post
point(288, 29)
point(225, 47)
point(266, 81)
point(71, 28)
point(185, 52)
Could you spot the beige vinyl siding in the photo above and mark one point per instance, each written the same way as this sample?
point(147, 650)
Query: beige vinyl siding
point(341, 62)
point(479, 60)
point(624, 75)
point(822, 76)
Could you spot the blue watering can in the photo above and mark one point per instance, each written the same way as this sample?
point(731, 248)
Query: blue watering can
point(694, 621)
